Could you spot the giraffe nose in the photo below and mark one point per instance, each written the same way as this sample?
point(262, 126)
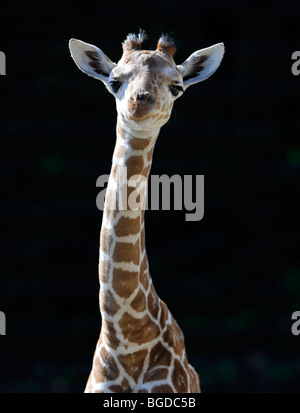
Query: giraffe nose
point(145, 97)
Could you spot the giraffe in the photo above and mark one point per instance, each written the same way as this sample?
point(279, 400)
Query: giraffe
point(141, 347)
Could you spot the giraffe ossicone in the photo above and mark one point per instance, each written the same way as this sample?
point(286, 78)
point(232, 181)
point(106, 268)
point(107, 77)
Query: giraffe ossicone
point(141, 347)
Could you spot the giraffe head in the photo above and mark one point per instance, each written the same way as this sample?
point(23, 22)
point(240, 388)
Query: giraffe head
point(146, 83)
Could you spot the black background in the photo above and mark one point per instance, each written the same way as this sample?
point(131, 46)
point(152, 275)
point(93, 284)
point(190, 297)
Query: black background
point(232, 279)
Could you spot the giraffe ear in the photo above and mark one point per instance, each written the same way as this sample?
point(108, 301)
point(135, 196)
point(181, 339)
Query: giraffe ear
point(201, 64)
point(91, 60)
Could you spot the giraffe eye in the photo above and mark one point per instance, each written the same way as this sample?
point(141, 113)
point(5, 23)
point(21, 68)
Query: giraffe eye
point(115, 85)
point(175, 90)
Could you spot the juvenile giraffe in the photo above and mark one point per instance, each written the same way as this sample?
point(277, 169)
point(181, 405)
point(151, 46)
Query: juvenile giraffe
point(141, 347)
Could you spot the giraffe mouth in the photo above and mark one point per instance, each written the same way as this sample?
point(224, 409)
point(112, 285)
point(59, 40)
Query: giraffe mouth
point(139, 117)
point(141, 106)
point(140, 113)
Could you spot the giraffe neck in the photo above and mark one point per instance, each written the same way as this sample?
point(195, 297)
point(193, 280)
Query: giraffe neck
point(126, 292)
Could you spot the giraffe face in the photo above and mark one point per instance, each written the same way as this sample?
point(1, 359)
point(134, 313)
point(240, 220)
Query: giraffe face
point(145, 85)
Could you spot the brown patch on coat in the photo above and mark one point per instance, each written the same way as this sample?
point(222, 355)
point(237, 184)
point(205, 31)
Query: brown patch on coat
point(127, 252)
point(104, 269)
point(139, 144)
point(120, 151)
point(115, 388)
point(110, 335)
point(171, 338)
point(124, 282)
point(133, 363)
point(107, 370)
point(134, 165)
point(138, 330)
point(153, 302)
point(146, 169)
point(126, 386)
point(160, 355)
point(164, 314)
point(105, 240)
point(108, 303)
point(139, 302)
point(179, 378)
point(142, 240)
point(127, 226)
point(156, 374)
point(165, 388)
point(144, 273)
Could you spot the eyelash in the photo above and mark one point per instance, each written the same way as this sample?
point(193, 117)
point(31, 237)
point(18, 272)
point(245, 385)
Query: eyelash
point(115, 85)
point(175, 90)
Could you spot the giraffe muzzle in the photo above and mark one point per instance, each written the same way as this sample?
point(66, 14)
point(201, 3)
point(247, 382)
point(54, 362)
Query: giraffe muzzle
point(145, 97)
point(141, 105)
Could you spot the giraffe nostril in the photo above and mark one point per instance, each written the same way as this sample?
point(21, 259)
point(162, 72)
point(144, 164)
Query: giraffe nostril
point(145, 97)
